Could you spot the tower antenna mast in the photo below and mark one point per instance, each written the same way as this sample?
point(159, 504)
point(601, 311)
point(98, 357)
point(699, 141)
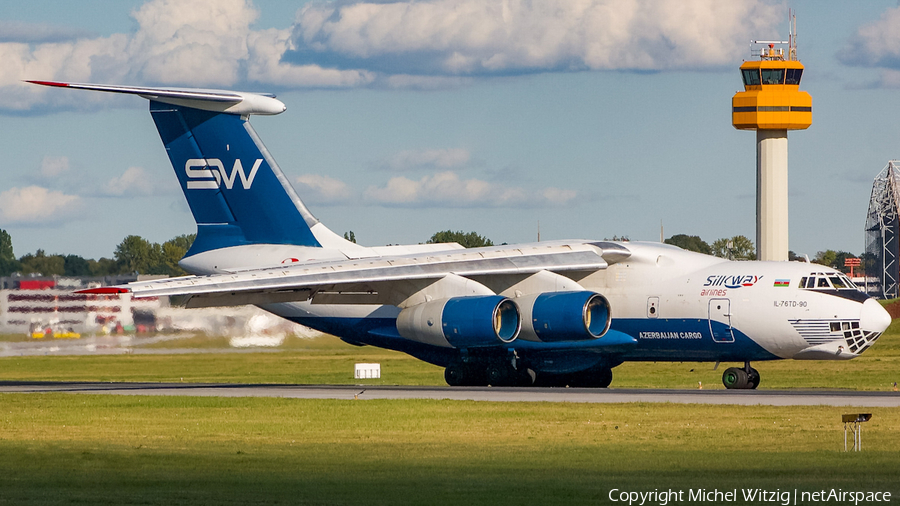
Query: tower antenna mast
point(792, 36)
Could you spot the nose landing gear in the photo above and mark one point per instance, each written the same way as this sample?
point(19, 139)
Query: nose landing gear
point(741, 378)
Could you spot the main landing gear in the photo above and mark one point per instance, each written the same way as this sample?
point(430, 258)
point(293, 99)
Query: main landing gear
point(741, 378)
point(511, 373)
point(498, 373)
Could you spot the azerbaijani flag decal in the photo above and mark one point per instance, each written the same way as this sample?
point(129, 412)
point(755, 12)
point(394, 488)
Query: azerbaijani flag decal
point(783, 282)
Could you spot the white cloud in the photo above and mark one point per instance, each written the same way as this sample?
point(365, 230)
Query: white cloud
point(134, 181)
point(446, 189)
point(426, 158)
point(205, 43)
point(559, 196)
point(37, 205)
point(463, 37)
point(54, 166)
point(876, 44)
point(266, 65)
point(202, 42)
point(317, 189)
point(889, 78)
point(419, 44)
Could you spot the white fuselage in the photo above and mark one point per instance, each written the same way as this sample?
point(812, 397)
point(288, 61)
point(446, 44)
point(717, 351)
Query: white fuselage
point(681, 305)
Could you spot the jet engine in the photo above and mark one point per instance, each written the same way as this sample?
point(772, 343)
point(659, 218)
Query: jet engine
point(564, 316)
point(462, 322)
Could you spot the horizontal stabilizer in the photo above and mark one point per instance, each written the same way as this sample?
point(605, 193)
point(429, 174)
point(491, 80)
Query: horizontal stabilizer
point(231, 102)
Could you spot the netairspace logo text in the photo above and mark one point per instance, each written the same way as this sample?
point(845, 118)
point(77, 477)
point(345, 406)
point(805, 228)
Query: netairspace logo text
point(746, 495)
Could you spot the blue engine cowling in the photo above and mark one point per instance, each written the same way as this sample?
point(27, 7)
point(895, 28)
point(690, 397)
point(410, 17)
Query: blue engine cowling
point(564, 316)
point(462, 322)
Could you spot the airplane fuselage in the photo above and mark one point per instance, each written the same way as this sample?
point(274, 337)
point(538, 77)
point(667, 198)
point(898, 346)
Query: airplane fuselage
point(676, 305)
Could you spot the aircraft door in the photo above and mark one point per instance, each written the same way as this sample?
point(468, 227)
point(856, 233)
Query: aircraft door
point(720, 320)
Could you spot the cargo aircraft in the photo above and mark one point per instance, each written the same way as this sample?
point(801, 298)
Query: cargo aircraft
point(551, 313)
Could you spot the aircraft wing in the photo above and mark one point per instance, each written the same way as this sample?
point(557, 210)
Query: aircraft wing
point(358, 278)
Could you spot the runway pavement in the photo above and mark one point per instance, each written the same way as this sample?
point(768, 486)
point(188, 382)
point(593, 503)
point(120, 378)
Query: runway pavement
point(363, 392)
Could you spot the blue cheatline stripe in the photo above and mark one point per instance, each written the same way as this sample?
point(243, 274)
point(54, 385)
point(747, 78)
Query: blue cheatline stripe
point(617, 343)
point(686, 339)
point(234, 189)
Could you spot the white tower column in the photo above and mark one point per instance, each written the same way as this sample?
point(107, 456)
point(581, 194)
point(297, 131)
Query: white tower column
point(771, 195)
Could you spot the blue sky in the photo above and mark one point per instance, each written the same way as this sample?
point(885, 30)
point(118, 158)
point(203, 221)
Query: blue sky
point(592, 118)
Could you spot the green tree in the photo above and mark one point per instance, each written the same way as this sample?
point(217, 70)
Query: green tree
point(43, 264)
point(470, 240)
point(103, 267)
point(690, 243)
point(138, 255)
point(6, 246)
point(834, 259)
point(174, 250)
point(74, 265)
point(8, 262)
point(826, 257)
point(738, 247)
point(350, 236)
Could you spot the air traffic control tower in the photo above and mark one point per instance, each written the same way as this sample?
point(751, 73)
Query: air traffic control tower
point(772, 104)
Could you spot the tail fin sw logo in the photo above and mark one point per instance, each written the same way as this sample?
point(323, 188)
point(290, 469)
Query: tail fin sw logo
point(210, 173)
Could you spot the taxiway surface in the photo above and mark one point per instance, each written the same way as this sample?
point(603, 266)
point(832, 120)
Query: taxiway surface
point(365, 392)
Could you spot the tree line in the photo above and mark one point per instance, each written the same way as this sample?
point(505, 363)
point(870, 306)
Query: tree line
point(740, 247)
point(133, 255)
point(138, 255)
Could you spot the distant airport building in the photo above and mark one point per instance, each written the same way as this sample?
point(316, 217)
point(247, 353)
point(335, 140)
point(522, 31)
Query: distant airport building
point(883, 233)
point(49, 305)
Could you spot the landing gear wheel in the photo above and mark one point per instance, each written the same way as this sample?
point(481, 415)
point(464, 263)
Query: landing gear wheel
point(753, 379)
point(501, 375)
point(455, 375)
point(459, 374)
point(735, 378)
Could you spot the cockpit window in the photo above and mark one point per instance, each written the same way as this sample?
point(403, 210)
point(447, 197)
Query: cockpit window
point(827, 281)
point(837, 282)
point(848, 282)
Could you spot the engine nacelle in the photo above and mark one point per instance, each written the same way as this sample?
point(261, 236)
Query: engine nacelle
point(564, 316)
point(462, 322)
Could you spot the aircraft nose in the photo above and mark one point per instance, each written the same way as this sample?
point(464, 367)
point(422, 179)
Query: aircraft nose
point(873, 317)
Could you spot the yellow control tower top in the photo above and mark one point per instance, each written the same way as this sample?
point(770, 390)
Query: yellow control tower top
point(772, 99)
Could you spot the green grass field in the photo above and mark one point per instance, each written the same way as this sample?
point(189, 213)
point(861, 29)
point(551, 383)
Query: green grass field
point(85, 449)
point(92, 449)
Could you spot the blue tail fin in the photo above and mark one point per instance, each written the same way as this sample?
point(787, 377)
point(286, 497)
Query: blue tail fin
point(237, 193)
